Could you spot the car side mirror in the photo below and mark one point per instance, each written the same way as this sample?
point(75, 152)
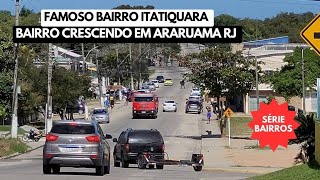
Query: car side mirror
point(115, 140)
point(108, 136)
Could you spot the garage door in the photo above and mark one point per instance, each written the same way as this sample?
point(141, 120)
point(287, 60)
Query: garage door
point(253, 102)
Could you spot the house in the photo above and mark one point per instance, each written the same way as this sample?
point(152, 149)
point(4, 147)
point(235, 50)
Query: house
point(272, 55)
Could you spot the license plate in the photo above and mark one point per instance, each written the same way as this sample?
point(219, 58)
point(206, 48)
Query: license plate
point(65, 150)
point(143, 112)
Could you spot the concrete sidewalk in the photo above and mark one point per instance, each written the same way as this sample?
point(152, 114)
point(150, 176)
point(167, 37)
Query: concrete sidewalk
point(213, 147)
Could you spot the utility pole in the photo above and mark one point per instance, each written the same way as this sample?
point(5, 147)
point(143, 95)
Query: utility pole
point(83, 58)
point(49, 96)
point(257, 83)
point(99, 78)
point(140, 51)
point(131, 63)
point(14, 121)
point(303, 86)
point(118, 67)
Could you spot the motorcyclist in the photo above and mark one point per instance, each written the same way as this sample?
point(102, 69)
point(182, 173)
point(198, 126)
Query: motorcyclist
point(182, 84)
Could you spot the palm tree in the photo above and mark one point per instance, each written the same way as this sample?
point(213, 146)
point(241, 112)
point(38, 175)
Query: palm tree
point(305, 137)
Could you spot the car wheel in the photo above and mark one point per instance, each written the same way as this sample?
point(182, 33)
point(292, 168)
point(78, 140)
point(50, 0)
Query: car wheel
point(163, 111)
point(100, 170)
point(199, 112)
point(46, 169)
point(141, 163)
point(197, 168)
point(159, 166)
point(56, 169)
point(124, 163)
point(107, 168)
point(151, 166)
point(175, 110)
point(115, 162)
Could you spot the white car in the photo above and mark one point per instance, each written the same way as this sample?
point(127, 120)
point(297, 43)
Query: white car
point(195, 90)
point(156, 83)
point(144, 91)
point(169, 105)
point(152, 87)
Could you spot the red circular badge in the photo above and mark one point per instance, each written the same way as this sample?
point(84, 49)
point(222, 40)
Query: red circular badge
point(273, 125)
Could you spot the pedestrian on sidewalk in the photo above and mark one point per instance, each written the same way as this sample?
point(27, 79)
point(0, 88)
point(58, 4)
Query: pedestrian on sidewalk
point(111, 102)
point(208, 114)
point(106, 104)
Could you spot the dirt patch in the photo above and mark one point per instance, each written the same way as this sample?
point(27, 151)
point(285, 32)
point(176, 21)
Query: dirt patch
point(248, 153)
point(11, 146)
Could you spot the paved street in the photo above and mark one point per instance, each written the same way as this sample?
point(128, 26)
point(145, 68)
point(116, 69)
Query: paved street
point(177, 128)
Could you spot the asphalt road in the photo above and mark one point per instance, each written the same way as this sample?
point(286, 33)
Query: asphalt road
point(177, 129)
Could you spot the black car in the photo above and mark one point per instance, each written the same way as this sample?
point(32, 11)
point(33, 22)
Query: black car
point(160, 79)
point(133, 143)
point(193, 106)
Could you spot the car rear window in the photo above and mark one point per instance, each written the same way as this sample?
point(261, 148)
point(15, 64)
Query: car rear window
point(143, 99)
point(99, 111)
point(169, 102)
point(194, 102)
point(161, 77)
point(145, 137)
point(73, 129)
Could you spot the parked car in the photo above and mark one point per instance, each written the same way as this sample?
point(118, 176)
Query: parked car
point(193, 106)
point(76, 143)
point(100, 115)
point(160, 79)
point(156, 83)
point(169, 105)
point(132, 143)
point(168, 82)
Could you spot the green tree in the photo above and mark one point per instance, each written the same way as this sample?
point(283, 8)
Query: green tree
point(224, 73)
point(288, 81)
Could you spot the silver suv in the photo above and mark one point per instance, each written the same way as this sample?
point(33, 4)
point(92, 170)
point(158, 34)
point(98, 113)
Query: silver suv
point(76, 143)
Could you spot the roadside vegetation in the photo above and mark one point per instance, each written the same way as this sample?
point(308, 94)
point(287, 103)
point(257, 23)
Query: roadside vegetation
point(11, 146)
point(8, 128)
point(33, 80)
point(301, 172)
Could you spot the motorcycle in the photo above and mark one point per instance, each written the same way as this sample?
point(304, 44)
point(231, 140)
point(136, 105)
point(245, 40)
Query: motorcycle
point(32, 135)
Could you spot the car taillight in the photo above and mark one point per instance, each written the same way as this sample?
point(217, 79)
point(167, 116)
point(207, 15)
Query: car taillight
point(127, 148)
point(163, 148)
point(93, 138)
point(48, 156)
point(50, 137)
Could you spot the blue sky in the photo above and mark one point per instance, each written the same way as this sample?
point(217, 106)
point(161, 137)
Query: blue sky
point(238, 8)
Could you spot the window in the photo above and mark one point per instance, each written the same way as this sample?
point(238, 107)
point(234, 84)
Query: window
point(143, 99)
point(73, 129)
point(269, 72)
point(99, 111)
point(171, 102)
point(145, 137)
point(122, 137)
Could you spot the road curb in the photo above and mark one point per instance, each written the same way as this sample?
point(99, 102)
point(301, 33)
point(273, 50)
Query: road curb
point(243, 170)
point(18, 154)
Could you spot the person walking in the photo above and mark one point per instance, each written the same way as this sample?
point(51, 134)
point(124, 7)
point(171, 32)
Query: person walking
point(106, 104)
point(208, 114)
point(111, 102)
